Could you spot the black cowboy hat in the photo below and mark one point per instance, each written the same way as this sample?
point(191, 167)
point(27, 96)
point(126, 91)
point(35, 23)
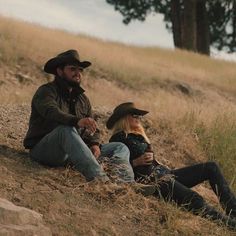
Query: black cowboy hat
point(70, 56)
point(122, 110)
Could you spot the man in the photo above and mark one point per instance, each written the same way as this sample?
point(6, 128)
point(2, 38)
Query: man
point(62, 129)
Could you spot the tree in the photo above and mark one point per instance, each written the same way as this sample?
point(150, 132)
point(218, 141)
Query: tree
point(203, 39)
point(195, 24)
point(176, 19)
point(189, 25)
point(222, 24)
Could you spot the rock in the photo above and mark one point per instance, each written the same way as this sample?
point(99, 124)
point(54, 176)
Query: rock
point(184, 88)
point(15, 220)
point(23, 78)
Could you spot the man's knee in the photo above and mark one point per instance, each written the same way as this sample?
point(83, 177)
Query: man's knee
point(122, 148)
point(65, 129)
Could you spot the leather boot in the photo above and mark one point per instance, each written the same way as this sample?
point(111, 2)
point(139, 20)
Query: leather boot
point(211, 213)
point(221, 188)
point(229, 203)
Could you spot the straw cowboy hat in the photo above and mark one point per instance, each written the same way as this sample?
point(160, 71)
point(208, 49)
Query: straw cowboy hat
point(67, 57)
point(122, 110)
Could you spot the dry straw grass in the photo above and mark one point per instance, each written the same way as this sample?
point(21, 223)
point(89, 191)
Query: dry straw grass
point(139, 74)
point(203, 122)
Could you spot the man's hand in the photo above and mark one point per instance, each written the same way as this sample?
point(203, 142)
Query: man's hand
point(88, 123)
point(95, 149)
point(145, 159)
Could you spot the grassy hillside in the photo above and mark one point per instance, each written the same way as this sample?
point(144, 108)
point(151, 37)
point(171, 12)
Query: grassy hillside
point(192, 102)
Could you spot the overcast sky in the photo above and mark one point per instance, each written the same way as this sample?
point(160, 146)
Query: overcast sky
point(93, 17)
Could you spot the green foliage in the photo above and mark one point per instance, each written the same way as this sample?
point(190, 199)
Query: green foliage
point(219, 143)
point(221, 17)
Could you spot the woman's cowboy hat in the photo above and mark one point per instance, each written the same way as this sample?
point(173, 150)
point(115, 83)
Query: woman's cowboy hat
point(70, 56)
point(122, 110)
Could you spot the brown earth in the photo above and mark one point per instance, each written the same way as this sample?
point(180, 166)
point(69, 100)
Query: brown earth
point(70, 206)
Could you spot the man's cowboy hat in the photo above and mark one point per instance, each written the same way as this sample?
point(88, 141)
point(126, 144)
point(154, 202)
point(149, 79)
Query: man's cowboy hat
point(122, 110)
point(68, 57)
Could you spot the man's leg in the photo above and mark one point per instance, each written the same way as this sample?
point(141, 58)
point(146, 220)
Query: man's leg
point(64, 144)
point(118, 156)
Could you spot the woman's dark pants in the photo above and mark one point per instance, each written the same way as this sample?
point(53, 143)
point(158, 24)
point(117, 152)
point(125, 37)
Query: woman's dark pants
point(178, 189)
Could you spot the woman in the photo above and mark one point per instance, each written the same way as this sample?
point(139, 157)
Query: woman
point(172, 184)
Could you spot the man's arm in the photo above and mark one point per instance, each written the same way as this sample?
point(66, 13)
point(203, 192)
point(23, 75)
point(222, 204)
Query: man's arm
point(44, 101)
point(95, 138)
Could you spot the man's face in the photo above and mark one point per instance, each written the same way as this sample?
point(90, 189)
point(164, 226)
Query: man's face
point(72, 74)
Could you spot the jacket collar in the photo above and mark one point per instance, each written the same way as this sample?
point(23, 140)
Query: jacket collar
point(64, 88)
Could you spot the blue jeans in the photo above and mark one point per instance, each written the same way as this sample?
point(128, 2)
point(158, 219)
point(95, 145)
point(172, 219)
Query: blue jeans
point(64, 145)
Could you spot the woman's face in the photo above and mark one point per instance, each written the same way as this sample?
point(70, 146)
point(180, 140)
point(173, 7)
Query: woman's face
point(134, 121)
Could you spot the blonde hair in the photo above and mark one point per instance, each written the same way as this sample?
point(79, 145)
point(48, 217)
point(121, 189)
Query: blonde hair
point(123, 125)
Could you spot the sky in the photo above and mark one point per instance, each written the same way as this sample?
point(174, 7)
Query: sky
point(92, 17)
point(95, 18)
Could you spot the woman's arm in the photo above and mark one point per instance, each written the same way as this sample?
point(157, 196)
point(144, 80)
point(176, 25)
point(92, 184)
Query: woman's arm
point(143, 160)
point(140, 160)
point(119, 137)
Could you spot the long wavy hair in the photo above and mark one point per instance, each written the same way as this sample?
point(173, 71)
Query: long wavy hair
point(124, 125)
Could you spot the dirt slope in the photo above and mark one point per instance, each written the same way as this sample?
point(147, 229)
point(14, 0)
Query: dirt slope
point(72, 207)
point(69, 205)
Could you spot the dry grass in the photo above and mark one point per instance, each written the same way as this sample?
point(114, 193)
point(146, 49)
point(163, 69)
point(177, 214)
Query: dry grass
point(137, 67)
point(143, 69)
point(200, 126)
point(130, 64)
point(17, 95)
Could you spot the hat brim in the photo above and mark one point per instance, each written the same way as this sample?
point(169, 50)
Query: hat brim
point(117, 116)
point(53, 63)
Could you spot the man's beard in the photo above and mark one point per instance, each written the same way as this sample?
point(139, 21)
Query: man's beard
point(72, 84)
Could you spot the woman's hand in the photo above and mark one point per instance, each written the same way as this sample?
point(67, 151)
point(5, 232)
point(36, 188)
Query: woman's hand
point(145, 159)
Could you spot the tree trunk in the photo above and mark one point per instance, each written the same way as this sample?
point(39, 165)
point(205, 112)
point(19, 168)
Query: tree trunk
point(233, 43)
point(189, 25)
point(203, 34)
point(176, 23)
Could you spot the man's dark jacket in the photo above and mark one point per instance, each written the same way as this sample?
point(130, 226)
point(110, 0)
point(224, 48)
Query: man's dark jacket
point(53, 105)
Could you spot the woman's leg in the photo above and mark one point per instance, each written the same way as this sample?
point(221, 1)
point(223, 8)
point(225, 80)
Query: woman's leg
point(173, 190)
point(193, 175)
point(191, 201)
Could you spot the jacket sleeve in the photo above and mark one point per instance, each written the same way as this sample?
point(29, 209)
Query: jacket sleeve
point(119, 137)
point(95, 139)
point(44, 101)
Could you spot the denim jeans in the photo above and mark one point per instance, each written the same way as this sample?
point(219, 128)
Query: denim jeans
point(64, 145)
